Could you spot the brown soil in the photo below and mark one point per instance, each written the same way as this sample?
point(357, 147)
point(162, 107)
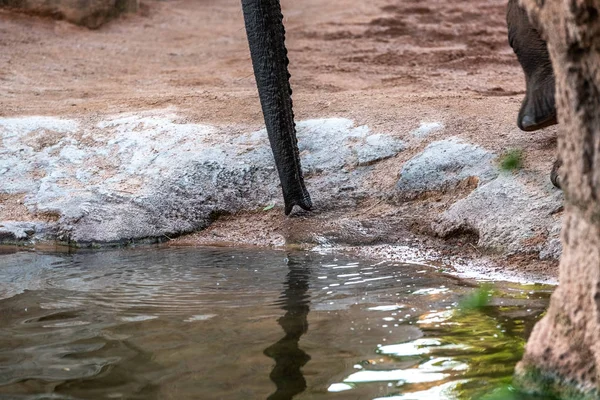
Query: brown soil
point(12, 208)
point(390, 64)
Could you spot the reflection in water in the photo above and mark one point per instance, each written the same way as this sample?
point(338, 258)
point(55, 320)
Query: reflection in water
point(289, 358)
point(191, 324)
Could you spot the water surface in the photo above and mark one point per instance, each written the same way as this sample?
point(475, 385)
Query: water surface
point(218, 323)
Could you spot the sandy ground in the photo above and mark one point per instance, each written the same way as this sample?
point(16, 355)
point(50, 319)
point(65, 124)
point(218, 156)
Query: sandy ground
point(389, 64)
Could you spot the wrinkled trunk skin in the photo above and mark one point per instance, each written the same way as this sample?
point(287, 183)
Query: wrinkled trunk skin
point(562, 356)
point(266, 37)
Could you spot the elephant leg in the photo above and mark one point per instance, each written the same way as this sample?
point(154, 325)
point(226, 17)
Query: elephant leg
point(266, 37)
point(539, 108)
point(555, 175)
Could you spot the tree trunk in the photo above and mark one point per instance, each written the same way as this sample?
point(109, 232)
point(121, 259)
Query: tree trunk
point(562, 356)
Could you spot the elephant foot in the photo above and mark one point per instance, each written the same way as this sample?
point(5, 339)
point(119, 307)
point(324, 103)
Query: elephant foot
point(554, 175)
point(539, 108)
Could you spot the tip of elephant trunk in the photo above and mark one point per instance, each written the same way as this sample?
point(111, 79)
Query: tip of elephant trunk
point(304, 202)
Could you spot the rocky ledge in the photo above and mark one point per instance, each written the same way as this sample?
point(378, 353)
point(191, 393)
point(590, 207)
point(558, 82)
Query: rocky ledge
point(148, 177)
point(88, 13)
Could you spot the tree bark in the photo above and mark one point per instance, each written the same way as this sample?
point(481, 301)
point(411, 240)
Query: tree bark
point(562, 356)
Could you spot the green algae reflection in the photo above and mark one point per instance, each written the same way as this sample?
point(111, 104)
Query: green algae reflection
point(467, 351)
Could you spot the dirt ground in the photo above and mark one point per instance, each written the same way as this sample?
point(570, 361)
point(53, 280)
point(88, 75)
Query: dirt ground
point(389, 64)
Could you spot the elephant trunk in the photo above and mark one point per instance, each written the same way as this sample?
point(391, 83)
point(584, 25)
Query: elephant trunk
point(266, 37)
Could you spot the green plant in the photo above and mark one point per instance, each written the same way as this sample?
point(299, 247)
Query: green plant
point(511, 160)
point(478, 299)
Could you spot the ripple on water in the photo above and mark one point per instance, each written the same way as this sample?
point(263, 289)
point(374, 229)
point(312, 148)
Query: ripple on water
point(218, 323)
